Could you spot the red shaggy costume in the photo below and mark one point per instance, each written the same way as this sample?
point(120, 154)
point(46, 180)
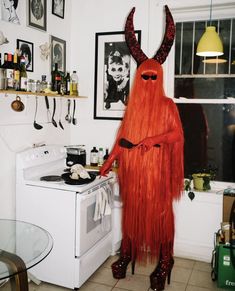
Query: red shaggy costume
point(150, 176)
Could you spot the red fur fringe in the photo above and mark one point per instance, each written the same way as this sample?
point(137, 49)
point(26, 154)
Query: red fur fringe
point(149, 182)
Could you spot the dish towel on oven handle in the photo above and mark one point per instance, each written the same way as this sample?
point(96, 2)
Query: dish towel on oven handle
point(102, 204)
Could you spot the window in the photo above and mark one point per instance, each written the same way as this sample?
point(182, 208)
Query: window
point(205, 92)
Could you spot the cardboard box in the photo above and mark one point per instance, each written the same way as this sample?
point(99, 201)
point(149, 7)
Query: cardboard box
point(228, 200)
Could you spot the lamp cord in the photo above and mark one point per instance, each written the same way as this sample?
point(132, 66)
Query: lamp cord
point(210, 12)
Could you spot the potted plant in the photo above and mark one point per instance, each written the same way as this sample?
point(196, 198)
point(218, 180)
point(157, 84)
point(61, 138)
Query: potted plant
point(201, 178)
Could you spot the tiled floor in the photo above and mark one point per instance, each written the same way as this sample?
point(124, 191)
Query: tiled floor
point(187, 275)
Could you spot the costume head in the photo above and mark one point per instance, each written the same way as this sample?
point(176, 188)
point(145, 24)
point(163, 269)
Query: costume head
point(147, 90)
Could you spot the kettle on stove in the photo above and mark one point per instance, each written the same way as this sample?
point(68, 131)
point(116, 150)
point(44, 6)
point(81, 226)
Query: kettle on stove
point(76, 154)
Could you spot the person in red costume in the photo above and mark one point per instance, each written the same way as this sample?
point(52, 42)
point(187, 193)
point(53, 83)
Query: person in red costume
point(149, 150)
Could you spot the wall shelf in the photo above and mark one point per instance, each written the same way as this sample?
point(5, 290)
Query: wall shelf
point(39, 94)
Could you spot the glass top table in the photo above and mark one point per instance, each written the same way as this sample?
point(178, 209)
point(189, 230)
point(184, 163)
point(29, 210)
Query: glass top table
point(22, 246)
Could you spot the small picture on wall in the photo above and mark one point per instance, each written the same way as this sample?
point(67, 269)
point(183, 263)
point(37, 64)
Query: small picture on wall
point(58, 8)
point(10, 11)
point(58, 53)
point(37, 14)
point(26, 50)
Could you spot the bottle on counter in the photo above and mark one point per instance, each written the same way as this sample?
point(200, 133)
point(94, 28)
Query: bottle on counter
point(23, 75)
point(106, 154)
point(100, 157)
point(56, 79)
point(74, 84)
point(94, 157)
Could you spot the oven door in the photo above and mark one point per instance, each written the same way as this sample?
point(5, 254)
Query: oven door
point(89, 229)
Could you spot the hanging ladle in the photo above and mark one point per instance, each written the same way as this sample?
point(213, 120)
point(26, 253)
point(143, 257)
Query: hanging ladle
point(35, 124)
point(74, 120)
point(53, 114)
point(68, 116)
point(60, 123)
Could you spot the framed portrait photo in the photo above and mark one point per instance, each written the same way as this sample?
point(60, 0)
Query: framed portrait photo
point(114, 71)
point(58, 8)
point(58, 53)
point(26, 50)
point(37, 14)
point(10, 11)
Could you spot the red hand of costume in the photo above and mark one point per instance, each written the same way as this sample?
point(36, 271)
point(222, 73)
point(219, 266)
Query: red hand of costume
point(170, 137)
point(108, 164)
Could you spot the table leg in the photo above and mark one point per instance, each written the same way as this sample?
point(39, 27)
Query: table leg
point(17, 271)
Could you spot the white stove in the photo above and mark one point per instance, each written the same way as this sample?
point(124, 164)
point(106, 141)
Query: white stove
point(82, 239)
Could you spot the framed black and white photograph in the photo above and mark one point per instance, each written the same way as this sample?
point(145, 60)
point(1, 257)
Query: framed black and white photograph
point(114, 70)
point(26, 49)
point(58, 53)
point(58, 8)
point(10, 11)
point(37, 14)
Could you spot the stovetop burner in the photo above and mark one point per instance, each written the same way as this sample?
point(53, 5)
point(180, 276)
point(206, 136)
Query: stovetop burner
point(51, 178)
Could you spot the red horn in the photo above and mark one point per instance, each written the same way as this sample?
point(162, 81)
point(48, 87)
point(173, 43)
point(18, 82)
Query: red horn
point(168, 39)
point(131, 40)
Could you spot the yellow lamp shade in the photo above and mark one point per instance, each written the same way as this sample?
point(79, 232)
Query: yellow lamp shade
point(210, 43)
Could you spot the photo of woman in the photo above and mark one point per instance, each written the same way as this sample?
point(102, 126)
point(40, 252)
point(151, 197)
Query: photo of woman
point(9, 13)
point(26, 50)
point(117, 74)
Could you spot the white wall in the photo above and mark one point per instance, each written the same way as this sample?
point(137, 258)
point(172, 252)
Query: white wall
point(16, 128)
point(82, 20)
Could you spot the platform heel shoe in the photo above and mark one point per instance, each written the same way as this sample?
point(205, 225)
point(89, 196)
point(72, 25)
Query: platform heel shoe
point(162, 271)
point(120, 266)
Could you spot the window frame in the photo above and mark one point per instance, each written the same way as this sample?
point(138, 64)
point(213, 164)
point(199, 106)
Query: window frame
point(221, 11)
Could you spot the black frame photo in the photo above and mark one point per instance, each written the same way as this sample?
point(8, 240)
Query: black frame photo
point(58, 53)
point(26, 49)
point(114, 71)
point(58, 8)
point(37, 14)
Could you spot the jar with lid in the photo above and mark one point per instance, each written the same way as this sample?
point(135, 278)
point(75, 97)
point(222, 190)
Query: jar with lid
point(34, 86)
point(29, 85)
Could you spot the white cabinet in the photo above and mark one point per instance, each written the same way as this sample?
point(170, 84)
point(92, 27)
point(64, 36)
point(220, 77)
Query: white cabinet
point(196, 222)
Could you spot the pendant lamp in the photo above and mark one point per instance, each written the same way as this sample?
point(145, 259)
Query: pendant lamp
point(210, 44)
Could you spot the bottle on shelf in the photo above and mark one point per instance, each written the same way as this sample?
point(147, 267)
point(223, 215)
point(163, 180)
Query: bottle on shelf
point(2, 73)
point(56, 79)
point(16, 71)
point(100, 157)
point(5, 61)
point(106, 154)
point(67, 84)
point(10, 73)
point(74, 84)
point(43, 83)
point(94, 157)
point(23, 75)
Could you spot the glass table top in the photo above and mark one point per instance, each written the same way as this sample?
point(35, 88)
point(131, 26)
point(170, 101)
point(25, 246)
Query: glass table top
point(29, 242)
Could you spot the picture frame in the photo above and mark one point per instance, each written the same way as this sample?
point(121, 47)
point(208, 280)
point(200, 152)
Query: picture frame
point(58, 53)
point(10, 14)
point(37, 14)
point(26, 50)
point(114, 71)
point(58, 8)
